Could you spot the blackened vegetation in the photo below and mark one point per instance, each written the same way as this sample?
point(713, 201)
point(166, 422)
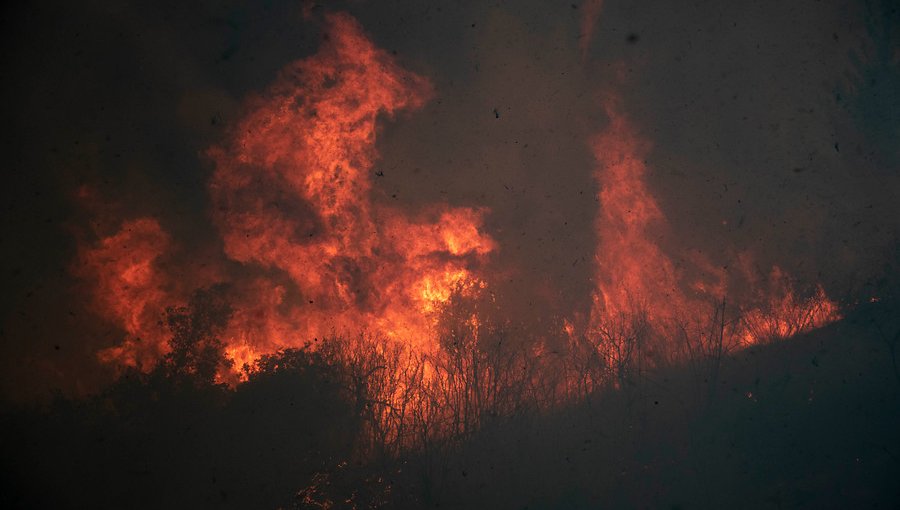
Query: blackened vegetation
point(353, 423)
point(174, 438)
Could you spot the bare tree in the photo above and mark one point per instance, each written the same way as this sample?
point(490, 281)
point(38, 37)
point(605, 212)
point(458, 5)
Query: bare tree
point(704, 341)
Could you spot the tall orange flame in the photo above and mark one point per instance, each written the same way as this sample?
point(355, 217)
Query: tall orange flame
point(634, 277)
point(292, 193)
point(293, 202)
point(631, 270)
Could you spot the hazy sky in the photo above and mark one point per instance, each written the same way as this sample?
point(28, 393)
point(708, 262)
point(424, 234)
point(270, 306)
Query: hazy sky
point(775, 129)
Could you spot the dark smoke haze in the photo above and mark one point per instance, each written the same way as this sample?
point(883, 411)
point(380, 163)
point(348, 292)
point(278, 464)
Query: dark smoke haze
point(774, 130)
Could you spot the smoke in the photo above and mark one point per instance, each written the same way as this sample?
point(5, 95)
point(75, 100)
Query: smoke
point(468, 149)
point(592, 10)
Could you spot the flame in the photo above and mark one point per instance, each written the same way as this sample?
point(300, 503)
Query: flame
point(784, 315)
point(319, 250)
point(631, 270)
point(242, 356)
point(635, 278)
point(293, 202)
point(292, 192)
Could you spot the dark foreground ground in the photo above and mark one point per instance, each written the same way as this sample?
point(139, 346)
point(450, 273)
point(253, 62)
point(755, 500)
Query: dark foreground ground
point(813, 422)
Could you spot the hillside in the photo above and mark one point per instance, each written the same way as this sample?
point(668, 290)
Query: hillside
point(810, 422)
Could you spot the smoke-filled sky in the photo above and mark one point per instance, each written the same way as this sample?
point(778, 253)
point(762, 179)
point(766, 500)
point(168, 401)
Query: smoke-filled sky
point(767, 128)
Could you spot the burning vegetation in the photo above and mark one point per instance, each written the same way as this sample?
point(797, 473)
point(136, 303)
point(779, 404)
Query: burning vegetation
point(323, 254)
point(396, 302)
point(293, 203)
point(384, 322)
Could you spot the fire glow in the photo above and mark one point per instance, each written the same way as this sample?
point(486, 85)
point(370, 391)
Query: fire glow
point(634, 276)
point(293, 203)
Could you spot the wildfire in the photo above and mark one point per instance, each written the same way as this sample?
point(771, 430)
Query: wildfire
point(636, 278)
point(242, 356)
point(319, 251)
point(292, 193)
point(293, 202)
point(786, 315)
point(631, 270)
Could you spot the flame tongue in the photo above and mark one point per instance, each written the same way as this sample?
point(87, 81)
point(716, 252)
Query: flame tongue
point(635, 278)
point(291, 192)
point(632, 271)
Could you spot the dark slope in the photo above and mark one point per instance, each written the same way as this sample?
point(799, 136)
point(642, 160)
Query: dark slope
point(812, 422)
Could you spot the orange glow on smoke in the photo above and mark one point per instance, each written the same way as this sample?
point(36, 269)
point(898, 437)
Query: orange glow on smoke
point(589, 17)
point(127, 280)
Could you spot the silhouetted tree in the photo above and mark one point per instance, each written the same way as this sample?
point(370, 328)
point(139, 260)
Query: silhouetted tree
point(197, 353)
